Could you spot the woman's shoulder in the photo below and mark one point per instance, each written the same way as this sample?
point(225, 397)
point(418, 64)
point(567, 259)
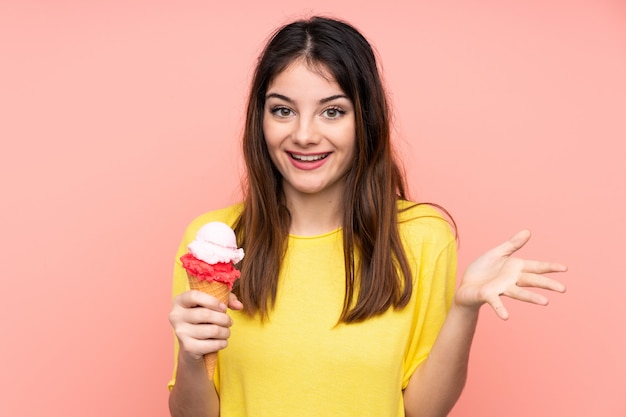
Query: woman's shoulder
point(425, 221)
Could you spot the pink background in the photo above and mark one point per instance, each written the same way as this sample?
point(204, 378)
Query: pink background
point(120, 121)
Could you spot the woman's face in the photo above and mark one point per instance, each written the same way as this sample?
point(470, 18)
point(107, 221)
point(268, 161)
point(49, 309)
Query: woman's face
point(309, 128)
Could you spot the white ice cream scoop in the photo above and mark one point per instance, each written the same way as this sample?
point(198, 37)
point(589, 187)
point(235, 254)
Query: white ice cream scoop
point(216, 242)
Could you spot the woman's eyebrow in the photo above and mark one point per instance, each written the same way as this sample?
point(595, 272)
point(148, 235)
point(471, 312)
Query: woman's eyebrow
point(289, 100)
point(331, 98)
point(279, 96)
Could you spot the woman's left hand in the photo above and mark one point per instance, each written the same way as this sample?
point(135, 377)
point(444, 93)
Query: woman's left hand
point(497, 273)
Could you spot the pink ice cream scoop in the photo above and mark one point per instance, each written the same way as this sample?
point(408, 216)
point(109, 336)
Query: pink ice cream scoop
point(212, 254)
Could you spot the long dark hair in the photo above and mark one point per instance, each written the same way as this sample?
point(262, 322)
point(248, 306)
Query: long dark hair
point(373, 185)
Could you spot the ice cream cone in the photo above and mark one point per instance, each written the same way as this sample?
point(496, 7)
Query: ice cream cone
point(210, 267)
point(219, 291)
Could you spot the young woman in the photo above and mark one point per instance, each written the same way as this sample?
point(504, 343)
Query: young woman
point(347, 303)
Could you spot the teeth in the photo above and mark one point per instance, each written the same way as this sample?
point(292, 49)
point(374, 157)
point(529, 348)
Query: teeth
point(309, 158)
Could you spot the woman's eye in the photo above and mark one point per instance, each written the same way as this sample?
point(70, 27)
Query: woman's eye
point(333, 113)
point(282, 111)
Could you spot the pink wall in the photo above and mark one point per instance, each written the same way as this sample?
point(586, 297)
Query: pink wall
point(119, 122)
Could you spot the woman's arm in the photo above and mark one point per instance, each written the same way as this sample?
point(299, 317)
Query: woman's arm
point(438, 382)
point(201, 326)
point(193, 394)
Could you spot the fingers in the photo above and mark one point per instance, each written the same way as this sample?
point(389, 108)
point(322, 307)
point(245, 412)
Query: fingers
point(200, 323)
point(519, 294)
point(195, 307)
point(498, 307)
point(195, 298)
point(527, 296)
point(541, 267)
point(203, 315)
point(515, 243)
point(199, 340)
point(533, 280)
point(205, 332)
point(540, 281)
point(234, 303)
point(496, 273)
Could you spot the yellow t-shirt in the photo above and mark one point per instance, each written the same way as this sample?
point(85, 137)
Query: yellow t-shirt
point(301, 362)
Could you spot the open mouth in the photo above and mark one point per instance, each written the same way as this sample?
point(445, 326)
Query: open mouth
point(309, 158)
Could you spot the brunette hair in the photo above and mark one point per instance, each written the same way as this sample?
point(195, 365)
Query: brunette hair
point(373, 185)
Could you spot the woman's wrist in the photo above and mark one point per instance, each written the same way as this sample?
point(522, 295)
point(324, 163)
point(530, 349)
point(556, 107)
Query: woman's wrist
point(190, 360)
point(467, 311)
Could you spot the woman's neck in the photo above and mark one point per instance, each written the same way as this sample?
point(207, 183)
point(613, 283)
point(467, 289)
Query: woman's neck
point(314, 214)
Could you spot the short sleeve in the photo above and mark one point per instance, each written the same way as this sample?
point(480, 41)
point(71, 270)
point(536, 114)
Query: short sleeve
point(435, 263)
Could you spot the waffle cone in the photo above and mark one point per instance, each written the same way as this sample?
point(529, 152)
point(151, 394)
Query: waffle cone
point(219, 291)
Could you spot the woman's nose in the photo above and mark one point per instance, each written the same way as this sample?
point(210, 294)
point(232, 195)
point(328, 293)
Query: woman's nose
point(305, 132)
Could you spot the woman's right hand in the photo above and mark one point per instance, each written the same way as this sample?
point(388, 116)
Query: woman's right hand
point(200, 323)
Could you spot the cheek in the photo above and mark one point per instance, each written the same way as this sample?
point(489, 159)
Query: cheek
point(349, 139)
point(271, 132)
point(271, 143)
